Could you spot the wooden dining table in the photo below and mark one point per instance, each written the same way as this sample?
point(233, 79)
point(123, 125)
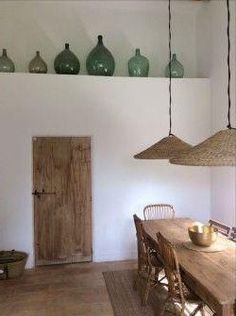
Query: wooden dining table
point(211, 275)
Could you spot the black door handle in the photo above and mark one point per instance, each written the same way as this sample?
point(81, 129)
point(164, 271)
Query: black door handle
point(35, 192)
point(38, 194)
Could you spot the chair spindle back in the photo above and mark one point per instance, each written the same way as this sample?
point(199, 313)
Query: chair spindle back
point(233, 234)
point(222, 228)
point(142, 255)
point(171, 267)
point(158, 211)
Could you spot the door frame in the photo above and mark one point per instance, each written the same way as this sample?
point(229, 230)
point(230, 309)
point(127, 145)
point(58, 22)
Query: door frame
point(33, 138)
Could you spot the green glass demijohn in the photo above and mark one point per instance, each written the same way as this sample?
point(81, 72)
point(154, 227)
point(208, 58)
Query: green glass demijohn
point(38, 65)
point(177, 69)
point(138, 66)
point(6, 64)
point(100, 61)
point(67, 62)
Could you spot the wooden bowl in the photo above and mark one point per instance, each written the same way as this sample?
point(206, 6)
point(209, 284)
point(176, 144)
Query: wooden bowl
point(203, 235)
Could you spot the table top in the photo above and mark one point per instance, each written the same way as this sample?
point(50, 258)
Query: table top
point(213, 274)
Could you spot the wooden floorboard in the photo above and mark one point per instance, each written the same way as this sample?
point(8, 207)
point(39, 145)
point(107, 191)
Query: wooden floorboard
point(60, 290)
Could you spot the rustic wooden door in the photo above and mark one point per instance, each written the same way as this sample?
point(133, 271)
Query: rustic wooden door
point(62, 199)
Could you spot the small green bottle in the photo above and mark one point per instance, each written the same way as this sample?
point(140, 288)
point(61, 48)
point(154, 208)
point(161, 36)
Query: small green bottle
point(138, 65)
point(6, 64)
point(38, 65)
point(177, 69)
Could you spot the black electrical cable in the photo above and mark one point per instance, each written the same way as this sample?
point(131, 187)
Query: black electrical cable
point(228, 64)
point(170, 75)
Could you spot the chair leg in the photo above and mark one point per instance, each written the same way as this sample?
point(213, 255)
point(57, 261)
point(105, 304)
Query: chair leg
point(147, 288)
point(135, 281)
point(164, 306)
point(182, 309)
point(202, 311)
point(157, 273)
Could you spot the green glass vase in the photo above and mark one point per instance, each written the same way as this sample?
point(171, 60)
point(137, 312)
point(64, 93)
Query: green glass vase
point(38, 65)
point(6, 64)
point(138, 66)
point(67, 62)
point(177, 69)
point(100, 61)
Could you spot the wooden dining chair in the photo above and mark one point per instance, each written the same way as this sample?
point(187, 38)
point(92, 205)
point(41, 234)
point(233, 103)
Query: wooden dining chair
point(222, 228)
point(233, 234)
point(158, 211)
point(155, 267)
point(178, 292)
point(149, 263)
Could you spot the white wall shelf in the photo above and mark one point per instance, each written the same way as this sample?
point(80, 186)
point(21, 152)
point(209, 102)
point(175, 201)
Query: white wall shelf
point(101, 77)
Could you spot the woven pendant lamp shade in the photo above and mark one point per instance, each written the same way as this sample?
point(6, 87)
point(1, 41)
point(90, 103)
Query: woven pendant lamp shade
point(164, 149)
point(171, 145)
point(218, 150)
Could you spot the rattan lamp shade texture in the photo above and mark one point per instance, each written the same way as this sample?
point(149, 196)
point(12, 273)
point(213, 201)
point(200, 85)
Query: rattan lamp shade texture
point(218, 150)
point(164, 149)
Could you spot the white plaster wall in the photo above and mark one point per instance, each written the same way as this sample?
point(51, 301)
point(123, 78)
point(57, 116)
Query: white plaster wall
point(27, 26)
point(123, 116)
point(212, 54)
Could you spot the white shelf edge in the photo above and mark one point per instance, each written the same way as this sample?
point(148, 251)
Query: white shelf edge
point(103, 77)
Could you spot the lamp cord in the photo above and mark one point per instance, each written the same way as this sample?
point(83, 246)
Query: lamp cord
point(170, 75)
point(228, 64)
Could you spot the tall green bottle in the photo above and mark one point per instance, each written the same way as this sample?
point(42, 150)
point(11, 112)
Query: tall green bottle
point(100, 61)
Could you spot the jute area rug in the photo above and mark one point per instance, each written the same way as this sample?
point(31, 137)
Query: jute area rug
point(126, 301)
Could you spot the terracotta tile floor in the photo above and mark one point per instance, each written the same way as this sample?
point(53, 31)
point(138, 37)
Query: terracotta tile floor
point(62, 290)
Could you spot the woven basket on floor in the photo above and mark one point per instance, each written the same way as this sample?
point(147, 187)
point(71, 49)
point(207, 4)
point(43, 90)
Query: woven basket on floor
point(12, 264)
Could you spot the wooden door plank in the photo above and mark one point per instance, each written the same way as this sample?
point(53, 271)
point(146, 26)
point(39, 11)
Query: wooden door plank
point(63, 221)
point(81, 156)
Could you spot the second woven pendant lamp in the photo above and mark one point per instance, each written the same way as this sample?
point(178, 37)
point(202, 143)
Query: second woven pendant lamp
point(219, 149)
point(171, 145)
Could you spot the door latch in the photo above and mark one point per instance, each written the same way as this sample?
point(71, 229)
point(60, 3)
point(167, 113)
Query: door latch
point(38, 193)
